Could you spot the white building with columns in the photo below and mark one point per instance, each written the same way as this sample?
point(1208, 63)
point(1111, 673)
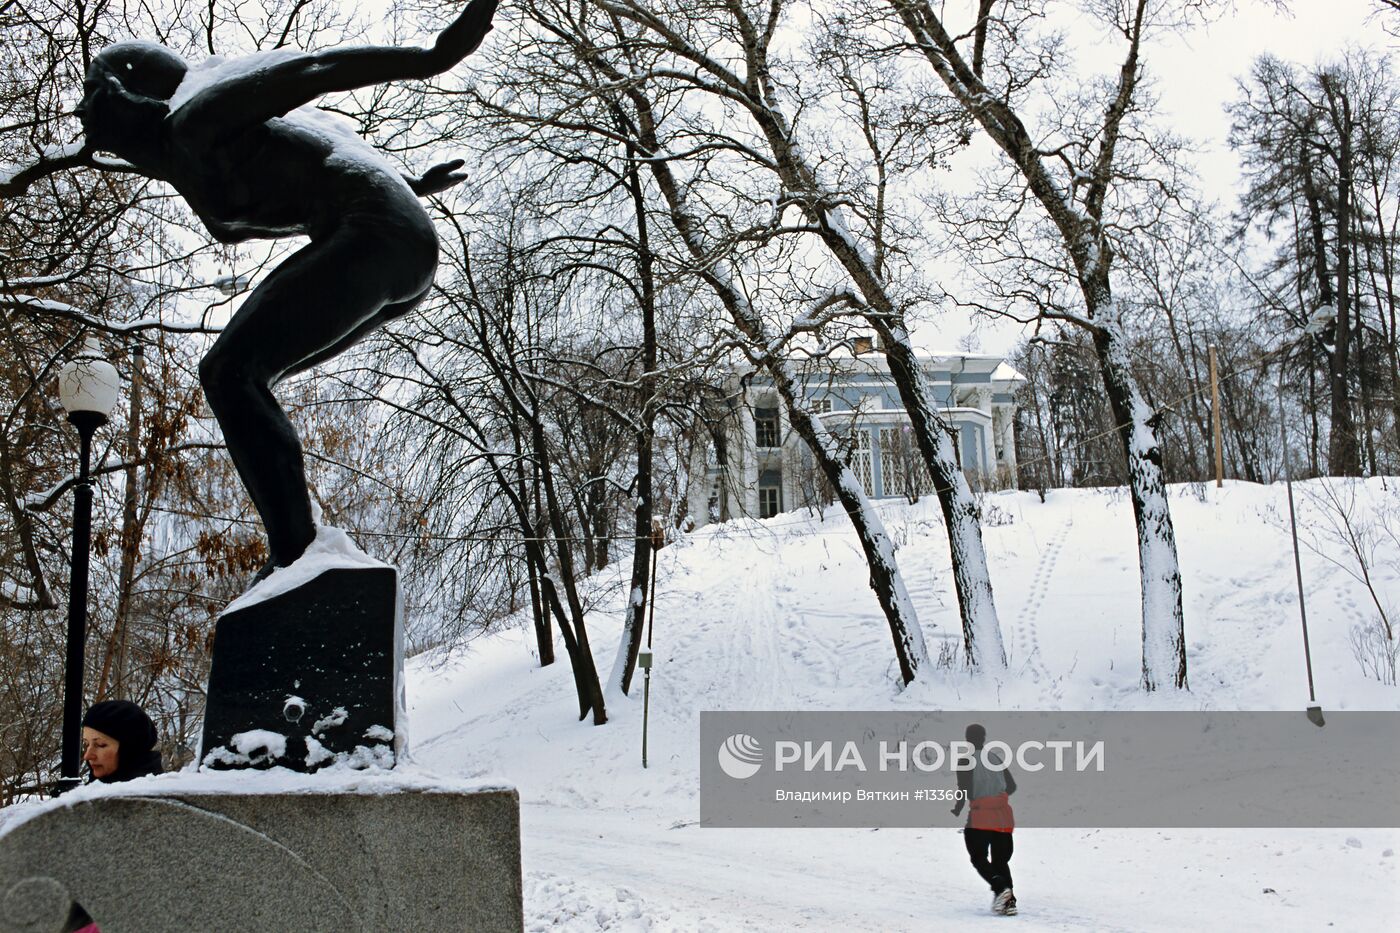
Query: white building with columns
point(757, 466)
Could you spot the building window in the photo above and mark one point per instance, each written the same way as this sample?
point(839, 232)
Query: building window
point(860, 462)
point(770, 501)
point(765, 423)
point(821, 406)
point(902, 465)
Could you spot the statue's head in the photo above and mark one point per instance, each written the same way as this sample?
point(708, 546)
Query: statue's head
point(144, 70)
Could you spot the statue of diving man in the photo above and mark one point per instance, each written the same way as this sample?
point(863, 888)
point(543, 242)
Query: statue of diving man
point(239, 142)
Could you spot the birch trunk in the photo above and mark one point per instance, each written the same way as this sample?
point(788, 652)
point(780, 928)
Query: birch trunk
point(1163, 622)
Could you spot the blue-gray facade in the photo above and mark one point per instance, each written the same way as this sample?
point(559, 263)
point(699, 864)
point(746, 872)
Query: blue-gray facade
point(762, 468)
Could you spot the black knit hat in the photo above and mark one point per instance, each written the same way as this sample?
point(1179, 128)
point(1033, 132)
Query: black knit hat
point(135, 734)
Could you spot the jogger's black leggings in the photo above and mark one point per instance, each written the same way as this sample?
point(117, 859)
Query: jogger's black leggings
point(996, 870)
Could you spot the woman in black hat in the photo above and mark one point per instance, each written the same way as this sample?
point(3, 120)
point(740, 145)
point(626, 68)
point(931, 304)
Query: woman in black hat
point(119, 742)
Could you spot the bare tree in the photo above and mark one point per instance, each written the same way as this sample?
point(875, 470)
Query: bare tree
point(1072, 183)
point(752, 86)
point(593, 57)
point(1320, 150)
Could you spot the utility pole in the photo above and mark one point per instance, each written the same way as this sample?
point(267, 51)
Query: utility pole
point(1314, 708)
point(644, 657)
point(1215, 422)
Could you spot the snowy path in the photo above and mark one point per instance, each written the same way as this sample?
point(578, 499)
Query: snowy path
point(608, 871)
point(688, 878)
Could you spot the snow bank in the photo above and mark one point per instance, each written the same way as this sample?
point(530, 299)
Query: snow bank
point(406, 778)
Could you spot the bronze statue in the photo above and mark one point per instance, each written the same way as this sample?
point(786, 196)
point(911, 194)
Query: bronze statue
point(232, 141)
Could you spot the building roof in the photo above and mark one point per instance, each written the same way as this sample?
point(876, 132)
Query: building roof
point(1007, 373)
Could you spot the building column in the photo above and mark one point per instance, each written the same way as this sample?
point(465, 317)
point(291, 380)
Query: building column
point(989, 450)
point(745, 474)
point(788, 459)
point(1004, 420)
point(697, 480)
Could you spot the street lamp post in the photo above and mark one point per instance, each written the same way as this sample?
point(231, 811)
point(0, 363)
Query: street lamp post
point(87, 386)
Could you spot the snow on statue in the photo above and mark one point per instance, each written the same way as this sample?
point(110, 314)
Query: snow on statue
point(240, 142)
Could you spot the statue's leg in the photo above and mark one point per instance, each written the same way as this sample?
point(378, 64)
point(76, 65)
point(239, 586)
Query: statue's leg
point(319, 301)
point(385, 315)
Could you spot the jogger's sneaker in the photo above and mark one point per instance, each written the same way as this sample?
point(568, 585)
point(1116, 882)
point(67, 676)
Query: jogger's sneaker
point(1010, 904)
point(1000, 902)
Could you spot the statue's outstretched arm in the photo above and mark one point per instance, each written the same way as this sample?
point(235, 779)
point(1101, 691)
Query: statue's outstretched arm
point(279, 88)
point(16, 181)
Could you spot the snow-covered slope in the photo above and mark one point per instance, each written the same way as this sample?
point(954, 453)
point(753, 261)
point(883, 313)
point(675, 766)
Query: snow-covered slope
point(777, 615)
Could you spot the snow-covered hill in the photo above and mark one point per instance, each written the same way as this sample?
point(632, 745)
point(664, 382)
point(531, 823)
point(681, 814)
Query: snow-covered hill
point(777, 615)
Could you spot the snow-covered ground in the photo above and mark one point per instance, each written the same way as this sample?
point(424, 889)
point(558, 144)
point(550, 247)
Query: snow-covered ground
point(778, 615)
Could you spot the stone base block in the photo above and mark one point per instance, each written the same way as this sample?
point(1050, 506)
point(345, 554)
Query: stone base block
point(304, 862)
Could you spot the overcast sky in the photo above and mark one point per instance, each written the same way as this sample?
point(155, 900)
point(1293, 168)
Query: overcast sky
point(1197, 73)
point(1195, 76)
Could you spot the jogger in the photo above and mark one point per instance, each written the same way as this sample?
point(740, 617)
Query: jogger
point(989, 821)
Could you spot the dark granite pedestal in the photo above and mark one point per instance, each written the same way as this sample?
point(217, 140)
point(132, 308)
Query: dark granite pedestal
point(309, 677)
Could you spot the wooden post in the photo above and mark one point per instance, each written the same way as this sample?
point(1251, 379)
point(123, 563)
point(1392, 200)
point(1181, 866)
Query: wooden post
point(1215, 422)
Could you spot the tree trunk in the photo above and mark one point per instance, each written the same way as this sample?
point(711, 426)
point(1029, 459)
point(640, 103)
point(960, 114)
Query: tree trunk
point(1090, 251)
point(544, 638)
point(961, 515)
point(1343, 452)
point(1163, 624)
point(633, 621)
point(1187, 361)
point(1342, 455)
point(885, 579)
point(1244, 443)
point(1385, 301)
point(976, 608)
point(580, 654)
